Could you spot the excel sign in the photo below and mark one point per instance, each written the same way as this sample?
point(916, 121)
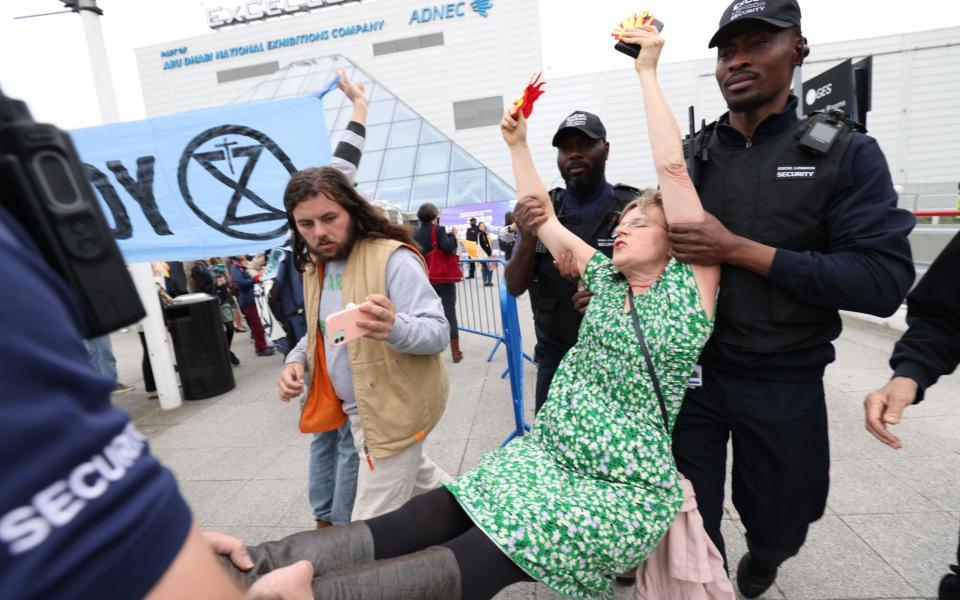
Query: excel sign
point(222, 14)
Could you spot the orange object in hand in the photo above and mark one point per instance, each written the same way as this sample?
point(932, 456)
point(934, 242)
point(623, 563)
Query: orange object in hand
point(632, 22)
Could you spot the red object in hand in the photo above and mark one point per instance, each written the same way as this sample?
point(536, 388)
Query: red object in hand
point(632, 22)
point(524, 103)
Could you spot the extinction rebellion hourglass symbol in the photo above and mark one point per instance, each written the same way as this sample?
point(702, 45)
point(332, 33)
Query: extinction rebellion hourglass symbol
point(222, 150)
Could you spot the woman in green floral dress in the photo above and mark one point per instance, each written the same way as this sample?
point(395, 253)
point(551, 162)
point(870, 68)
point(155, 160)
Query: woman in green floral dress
point(592, 489)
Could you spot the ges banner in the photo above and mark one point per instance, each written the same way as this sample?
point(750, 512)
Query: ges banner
point(202, 183)
point(834, 88)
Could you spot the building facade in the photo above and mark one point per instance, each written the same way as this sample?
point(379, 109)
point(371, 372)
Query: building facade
point(454, 67)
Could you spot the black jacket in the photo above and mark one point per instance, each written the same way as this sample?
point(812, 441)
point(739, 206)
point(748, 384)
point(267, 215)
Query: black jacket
point(445, 241)
point(931, 346)
point(472, 232)
point(484, 242)
point(202, 279)
point(867, 266)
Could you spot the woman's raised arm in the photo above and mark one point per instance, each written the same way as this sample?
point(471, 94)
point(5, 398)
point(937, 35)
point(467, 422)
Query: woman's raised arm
point(681, 203)
point(532, 193)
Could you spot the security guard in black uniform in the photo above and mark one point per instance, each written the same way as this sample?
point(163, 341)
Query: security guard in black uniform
point(590, 207)
point(802, 215)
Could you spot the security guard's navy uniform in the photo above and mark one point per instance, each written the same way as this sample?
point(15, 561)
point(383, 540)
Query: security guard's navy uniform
point(841, 245)
point(556, 319)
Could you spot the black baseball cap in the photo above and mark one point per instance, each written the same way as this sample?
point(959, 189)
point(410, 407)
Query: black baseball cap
point(779, 13)
point(581, 120)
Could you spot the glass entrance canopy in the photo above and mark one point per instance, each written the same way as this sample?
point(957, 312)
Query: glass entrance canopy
point(406, 160)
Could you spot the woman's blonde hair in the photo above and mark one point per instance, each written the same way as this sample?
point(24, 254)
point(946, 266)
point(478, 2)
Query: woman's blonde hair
point(648, 197)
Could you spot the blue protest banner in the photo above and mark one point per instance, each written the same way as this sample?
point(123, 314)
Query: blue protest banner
point(206, 182)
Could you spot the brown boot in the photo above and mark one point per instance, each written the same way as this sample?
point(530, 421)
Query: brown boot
point(321, 524)
point(455, 350)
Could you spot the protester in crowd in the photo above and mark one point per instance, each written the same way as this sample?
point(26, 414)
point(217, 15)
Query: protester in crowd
point(831, 241)
point(589, 206)
point(100, 352)
point(391, 383)
point(507, 236)
point(248, 306)
point(334, 460)
point(929, 349)
point(443, 269)
point(486, 251)
point(470, 243)
point(219, 265)
point(224, 297)
point(176, 283)
point(86, 510)
point(286, 294)
point(592, 489)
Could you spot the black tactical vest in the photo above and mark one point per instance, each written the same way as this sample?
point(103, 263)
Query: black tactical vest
point(556, 320)
point(775, 193)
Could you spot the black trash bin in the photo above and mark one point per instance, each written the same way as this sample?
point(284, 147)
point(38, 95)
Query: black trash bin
point(200, 346)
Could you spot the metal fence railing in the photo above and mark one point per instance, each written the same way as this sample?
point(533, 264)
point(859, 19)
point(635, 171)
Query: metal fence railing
point(485, 307)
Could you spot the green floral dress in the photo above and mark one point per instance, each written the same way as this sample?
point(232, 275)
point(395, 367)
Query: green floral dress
point(592, 489)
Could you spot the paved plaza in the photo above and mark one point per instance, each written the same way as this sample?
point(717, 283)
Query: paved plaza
point(890, 529)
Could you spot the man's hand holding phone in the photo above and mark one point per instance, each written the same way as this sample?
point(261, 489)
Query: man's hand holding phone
point(380, 315)
point(290, 382)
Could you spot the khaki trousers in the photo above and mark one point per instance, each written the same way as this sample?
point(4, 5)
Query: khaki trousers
point(393, 480)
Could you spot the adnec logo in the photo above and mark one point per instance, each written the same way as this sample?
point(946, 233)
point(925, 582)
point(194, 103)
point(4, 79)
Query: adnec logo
point(575, 120)
point(452, 10)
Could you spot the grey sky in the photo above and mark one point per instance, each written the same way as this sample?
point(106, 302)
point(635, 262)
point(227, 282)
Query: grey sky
point(44, 60)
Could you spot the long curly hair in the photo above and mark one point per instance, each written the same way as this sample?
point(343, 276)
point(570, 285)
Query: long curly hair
point(366, 219)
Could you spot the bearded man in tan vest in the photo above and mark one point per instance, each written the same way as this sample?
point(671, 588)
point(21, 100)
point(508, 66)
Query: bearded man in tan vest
point(391, 384)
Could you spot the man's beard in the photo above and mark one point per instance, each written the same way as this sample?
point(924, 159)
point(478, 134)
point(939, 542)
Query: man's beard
point(585, 182)
point(748, 104)
point(342, 252)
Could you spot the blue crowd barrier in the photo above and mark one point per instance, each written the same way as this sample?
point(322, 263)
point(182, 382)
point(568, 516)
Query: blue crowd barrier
point(491, 311)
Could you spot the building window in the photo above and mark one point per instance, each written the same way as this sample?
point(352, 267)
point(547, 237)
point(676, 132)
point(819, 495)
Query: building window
point(478, 113)
point(258, 70)
point(407, 44)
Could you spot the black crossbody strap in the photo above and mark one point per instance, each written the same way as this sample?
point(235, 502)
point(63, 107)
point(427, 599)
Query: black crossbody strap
point(649, 361)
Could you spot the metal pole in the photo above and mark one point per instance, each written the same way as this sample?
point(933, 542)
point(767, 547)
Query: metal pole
point(153, 327)
point(102, 79)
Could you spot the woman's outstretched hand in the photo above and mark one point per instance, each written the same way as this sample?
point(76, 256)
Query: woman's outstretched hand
point(650, 42)
point(514, 130)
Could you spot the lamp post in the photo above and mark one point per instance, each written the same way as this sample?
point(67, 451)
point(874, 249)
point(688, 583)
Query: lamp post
point(154, 330)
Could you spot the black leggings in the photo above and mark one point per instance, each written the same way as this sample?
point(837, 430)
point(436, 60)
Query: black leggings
point(448, 296)
point(436, 519)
